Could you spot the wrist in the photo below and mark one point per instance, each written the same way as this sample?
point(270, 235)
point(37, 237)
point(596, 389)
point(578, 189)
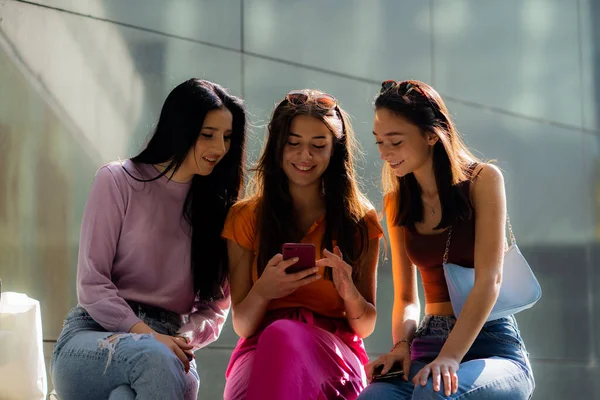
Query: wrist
point(403, 345)
point(141, 328)
point(259, 296)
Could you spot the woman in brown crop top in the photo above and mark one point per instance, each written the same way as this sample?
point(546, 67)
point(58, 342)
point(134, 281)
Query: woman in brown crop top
point(432, 182)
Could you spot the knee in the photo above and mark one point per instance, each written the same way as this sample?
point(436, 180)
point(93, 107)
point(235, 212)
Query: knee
point(156, 361)
point(427, 393)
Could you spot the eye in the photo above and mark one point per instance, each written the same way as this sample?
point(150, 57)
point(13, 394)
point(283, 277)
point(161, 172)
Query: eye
point(397, 143)
point(207, 135)
point(227, 137)
point(318, 147)
point(378, 143)
point(293, 144)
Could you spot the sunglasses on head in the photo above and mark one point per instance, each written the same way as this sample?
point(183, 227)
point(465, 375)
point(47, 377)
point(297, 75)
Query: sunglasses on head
point(300, 97)
point(408, 88)
point(391, 84)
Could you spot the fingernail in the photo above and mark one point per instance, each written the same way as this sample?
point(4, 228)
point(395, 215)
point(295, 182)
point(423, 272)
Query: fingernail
point(295, 259)
point(315, 269)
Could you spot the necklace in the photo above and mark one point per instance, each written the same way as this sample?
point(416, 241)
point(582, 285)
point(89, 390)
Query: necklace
point(430, 206)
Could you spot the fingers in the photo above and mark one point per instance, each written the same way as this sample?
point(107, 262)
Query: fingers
point(296, 276)
point(182, 343)
point(406, 368)
point(387, 365)
point(305, 281)
point(435, 375)
point(275, 260)
point(446, 379)
point(338, 252)
point(283, 264)
point(370, 368)
point(181, 355)
point(454, 379)
point(421, 377)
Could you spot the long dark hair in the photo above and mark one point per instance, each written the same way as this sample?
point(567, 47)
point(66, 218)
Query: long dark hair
point(452, 161)
point(345, 205)
point(210, 197)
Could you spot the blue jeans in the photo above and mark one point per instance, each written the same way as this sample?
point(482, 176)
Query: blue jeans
point(91, 363)
point(495, 367)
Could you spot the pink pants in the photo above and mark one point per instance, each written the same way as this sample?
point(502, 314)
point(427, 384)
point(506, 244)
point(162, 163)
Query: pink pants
point(298, 355)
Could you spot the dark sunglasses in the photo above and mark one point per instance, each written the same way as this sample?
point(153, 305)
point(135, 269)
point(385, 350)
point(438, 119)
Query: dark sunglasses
point(300, 97)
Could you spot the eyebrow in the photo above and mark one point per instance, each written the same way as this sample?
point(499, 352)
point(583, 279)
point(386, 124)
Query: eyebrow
point(212, 128)
point(314, 137)
point(391, 134)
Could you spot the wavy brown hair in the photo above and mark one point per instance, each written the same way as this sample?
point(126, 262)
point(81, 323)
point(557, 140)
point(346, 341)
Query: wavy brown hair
point(345, 205)
point(453, 162)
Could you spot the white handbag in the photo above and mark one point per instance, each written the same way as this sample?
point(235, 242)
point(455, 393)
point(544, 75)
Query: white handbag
point(22, 367)
point(519, 290)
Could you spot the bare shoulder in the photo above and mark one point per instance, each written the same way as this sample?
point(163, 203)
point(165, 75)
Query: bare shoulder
point(488, 183)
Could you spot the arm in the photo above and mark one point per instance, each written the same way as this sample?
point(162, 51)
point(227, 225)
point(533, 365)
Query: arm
point(248, 306)
point(406, 310)
point(489, 201)
point(206, 322)
point(360, 310)
point(100, 231)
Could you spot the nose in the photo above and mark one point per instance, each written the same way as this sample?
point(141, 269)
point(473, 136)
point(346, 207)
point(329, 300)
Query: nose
point(384, 153)
point(305, 152)
point(220, 147)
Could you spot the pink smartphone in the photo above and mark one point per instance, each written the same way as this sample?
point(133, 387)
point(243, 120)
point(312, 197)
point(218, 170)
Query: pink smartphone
point(304, 251)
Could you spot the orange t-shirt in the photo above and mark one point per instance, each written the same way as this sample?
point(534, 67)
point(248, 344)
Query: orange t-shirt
point(319, 296)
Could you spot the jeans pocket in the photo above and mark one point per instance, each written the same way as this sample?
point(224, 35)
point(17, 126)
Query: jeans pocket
point(504, 331)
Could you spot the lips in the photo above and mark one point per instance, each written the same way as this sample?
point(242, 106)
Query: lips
point(303, 167)
point(395, 164)
point(211, 160)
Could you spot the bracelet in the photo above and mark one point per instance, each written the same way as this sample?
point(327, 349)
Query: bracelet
point(402, 341)
point(360, 316)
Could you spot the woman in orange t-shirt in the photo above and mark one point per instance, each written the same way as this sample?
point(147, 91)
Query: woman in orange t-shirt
point(301, 333)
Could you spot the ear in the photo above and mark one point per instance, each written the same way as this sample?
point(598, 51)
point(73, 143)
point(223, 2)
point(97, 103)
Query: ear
point(432, 138)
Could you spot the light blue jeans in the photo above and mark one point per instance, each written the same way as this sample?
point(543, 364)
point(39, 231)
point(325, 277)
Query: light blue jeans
point(496, 366)
point(91, 363)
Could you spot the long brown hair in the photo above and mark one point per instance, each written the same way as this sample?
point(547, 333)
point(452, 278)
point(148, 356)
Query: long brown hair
point(345, 205)
point(452, 161)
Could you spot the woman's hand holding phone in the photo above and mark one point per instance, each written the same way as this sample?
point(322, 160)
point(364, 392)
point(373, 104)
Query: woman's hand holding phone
point(275, 283)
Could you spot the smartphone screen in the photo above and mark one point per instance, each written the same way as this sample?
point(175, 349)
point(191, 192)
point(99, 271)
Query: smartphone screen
point(304, 251)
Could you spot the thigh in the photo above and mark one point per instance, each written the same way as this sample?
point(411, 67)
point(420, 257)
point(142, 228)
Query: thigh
point(79, 367)
point(393, 389)
point(236, 385)
point(489, 378)
point(293, 356)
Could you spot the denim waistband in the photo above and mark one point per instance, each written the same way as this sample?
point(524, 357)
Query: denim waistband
point(146, 312)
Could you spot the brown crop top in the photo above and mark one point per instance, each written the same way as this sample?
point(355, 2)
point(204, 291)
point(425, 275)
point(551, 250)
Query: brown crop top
point(427, 251)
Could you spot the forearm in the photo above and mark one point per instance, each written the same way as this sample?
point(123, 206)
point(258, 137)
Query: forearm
point(361, 315)
point(249, 313)
point(405, 321)
point(142, 328)
point(472, 317)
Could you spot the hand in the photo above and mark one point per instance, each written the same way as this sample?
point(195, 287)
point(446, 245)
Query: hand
point(342, 273)
point(275, 283)
point(179, 346)
point(399, 355)
point(441, 368)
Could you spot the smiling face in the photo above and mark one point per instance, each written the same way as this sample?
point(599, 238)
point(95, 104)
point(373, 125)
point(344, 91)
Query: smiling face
point(212, 143)
point(401, 143)
point(307, 153)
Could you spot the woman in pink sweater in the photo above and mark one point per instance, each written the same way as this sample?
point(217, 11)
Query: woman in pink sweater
point(152, 269)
